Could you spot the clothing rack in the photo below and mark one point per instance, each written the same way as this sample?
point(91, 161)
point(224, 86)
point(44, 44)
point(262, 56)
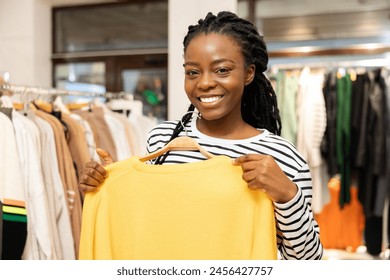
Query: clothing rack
point(332, 64)
point(18, 89)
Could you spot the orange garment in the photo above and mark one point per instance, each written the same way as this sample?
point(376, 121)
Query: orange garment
point(341, 228)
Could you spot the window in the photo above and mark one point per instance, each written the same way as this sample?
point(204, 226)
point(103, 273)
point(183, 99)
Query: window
point(102, 47)
point(120, 26)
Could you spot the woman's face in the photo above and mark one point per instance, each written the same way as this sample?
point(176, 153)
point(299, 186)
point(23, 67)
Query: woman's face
point(215, 76)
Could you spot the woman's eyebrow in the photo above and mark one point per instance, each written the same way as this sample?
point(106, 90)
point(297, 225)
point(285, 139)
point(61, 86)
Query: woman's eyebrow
point(214, 62)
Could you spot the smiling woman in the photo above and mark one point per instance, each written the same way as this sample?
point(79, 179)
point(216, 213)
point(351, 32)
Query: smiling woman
point(234, 113)
point(215, 77)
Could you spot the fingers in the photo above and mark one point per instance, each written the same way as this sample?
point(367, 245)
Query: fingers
point(92, 176)
point(261, 172)
point(94, 173)
point(250, 176)
point(85, 188)
point(95, 170)
point(253, 167)
point(257, 170)
point(255, 161)
point(105, 157)
point(248, 158)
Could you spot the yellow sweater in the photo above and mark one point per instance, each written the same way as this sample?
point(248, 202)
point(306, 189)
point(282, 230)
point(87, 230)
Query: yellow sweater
point(202, 211)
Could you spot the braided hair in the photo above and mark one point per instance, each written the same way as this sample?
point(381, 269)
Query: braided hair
point(258, 105)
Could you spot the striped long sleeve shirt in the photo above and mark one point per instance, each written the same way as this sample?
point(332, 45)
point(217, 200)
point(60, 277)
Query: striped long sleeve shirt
point(297, 230)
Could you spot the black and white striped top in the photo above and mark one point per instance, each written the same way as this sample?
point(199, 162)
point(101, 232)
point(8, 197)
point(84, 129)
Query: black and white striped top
point(297, 231)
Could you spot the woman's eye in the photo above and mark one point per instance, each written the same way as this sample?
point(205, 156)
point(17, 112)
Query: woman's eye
point(223, 71)
point(191, 72)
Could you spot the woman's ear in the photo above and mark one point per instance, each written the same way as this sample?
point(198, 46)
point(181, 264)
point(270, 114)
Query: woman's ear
point(250, 74)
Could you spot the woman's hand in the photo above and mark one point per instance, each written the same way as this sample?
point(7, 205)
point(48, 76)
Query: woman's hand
point(261, 172)
point(94, 173)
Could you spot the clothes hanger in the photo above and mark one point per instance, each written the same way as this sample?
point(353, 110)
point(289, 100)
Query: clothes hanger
point(181, 143)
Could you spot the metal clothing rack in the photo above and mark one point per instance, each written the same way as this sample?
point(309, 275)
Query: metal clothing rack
point(34, 90)
point(333, 63)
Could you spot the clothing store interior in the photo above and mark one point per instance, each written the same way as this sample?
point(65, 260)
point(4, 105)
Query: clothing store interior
point(107, 72)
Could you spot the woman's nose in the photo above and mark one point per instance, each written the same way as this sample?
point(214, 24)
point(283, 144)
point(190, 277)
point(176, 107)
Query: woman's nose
point(206, 81)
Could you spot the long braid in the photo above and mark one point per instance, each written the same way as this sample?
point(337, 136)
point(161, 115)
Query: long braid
point(259, 106)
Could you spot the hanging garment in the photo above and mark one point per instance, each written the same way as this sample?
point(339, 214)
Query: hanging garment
point(104, 138)
point(142, 126)
point(77, 143)
point(116, 129)
point(57, 199)
point(383, 192)
point(343, 135)
point(132, 141)
point(311, 127)
point(384, 181)
point(52, 200)
point(375, 191)
point(341, 228)
point(14, 231)
point(328, 144)
point(359, 113)
point(68, 175)
point(123, 108)
point(372, 164)
point(119, 131)
point(39, 245)
point(89, 135)
point(287, 102)
point(201, 210)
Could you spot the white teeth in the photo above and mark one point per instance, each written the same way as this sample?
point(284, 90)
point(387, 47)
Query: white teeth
point(210, 99)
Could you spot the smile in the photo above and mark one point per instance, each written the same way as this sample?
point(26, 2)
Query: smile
point(210, 99)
